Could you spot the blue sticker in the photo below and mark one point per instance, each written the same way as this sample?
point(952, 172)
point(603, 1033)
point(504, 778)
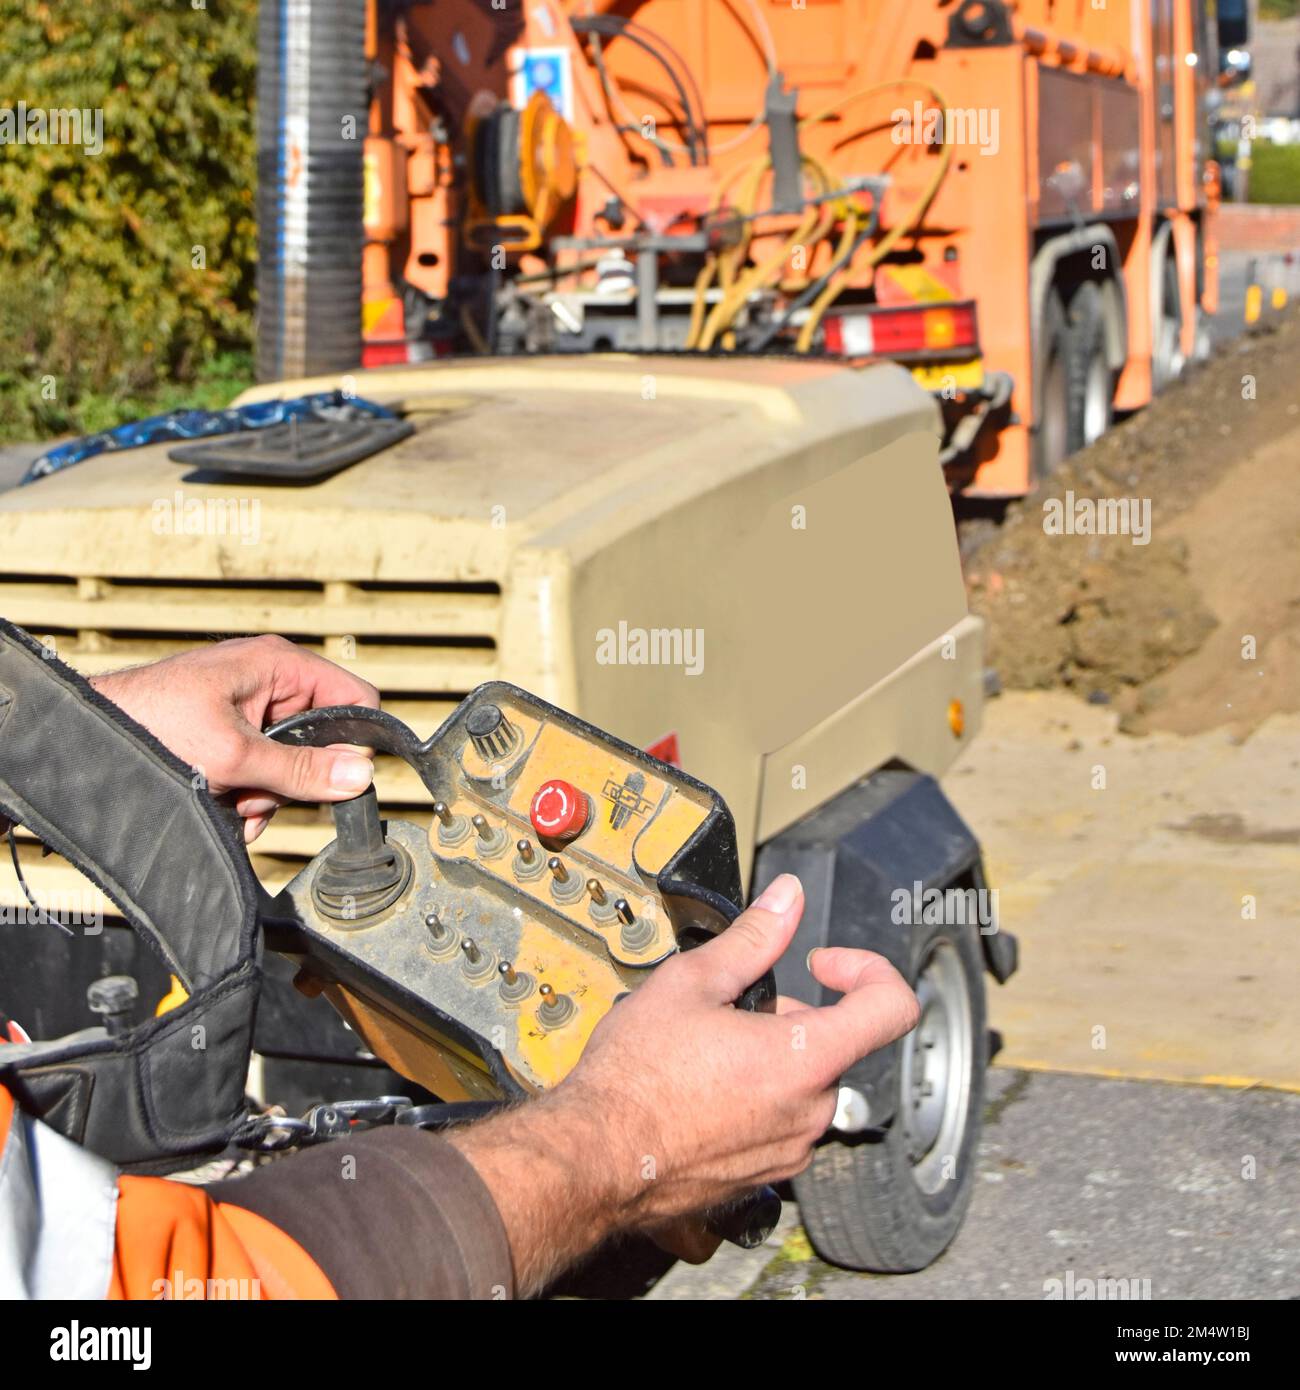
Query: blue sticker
point(545, 70)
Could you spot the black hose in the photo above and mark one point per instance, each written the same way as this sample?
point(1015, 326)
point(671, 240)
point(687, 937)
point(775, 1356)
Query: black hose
point(606, 87)
point(701, 117)
point(612, 26)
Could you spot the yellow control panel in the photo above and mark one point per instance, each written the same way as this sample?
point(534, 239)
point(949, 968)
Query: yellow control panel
point(560, 866)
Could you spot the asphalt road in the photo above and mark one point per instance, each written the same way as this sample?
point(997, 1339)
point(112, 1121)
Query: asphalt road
point(1085, 1178)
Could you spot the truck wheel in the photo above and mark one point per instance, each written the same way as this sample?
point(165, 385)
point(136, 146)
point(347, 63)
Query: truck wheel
point(1167, 360)
point(892, 1202)
point(1051, 437)
point(1091, 385)
point(1203, 346)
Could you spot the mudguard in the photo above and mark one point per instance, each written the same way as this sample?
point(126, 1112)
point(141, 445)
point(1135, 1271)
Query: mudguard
point(893, 831)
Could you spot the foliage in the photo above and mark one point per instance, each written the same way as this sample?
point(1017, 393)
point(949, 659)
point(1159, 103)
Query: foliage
point(134, 266)
point(1274, 173)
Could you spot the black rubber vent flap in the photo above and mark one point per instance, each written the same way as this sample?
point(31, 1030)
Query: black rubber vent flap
point(300, 450)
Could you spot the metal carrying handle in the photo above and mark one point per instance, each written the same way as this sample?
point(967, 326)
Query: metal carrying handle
point(371, 728)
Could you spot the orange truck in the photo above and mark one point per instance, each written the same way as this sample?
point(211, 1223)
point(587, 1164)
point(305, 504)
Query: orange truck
point(1014, 200)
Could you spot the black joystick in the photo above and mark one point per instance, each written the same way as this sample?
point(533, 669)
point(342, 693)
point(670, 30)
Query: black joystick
point(362, 873)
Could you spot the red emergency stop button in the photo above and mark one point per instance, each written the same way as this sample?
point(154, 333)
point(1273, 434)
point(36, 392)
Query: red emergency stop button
point(559, 811)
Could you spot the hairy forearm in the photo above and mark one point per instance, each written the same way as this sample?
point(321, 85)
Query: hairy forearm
point(563, 1175)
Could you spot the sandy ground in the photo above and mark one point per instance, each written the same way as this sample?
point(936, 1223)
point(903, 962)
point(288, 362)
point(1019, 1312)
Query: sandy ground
point(1137, 789)
point(1158, 914)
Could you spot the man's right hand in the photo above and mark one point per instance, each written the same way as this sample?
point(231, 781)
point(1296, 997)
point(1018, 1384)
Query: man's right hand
point(682, 1101)
point(716, 1100)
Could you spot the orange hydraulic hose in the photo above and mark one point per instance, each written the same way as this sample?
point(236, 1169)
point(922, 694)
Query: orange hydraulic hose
point(703, 334)
point(746, 283)
point(917, 211)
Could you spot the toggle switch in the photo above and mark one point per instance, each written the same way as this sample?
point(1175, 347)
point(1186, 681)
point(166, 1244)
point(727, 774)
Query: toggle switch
point(602, 907)
point(452, 829)
point(527, 863)
point(565, 887)
point(555, 1010)
point(636, 932)
point(489, 842)
point(441, 941)
point(477, 963)
point(516, 985)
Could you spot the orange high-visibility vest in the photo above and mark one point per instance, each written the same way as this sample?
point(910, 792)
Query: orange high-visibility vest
point(72, 1227)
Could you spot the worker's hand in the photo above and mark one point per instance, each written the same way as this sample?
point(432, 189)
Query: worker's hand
point(209, 707)
point(681, 1101)
point(713, 1100)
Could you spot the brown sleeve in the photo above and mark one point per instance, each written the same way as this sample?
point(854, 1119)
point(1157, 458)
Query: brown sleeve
point(391, 1213)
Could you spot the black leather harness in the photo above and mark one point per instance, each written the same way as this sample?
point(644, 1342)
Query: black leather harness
point(93, 785)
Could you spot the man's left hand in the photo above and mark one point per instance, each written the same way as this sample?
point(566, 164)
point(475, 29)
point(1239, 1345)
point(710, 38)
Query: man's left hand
point(210, 705)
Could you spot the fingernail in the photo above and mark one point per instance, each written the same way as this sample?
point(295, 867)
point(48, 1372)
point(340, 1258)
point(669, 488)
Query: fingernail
point(351, 773)
point(779, 894)
point(253, 827)
point(808, 958)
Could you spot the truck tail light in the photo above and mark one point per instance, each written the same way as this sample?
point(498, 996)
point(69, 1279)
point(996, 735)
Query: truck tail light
point(395, 352)
point(922, 330)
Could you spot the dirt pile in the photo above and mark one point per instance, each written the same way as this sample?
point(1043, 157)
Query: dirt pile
point(1195, 623)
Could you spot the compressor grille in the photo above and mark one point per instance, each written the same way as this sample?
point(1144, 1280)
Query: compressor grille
point(425, 645)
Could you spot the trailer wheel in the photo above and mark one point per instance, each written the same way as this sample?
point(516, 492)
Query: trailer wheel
point(1051, 437)
point(1091, 383)
point(892, 1202)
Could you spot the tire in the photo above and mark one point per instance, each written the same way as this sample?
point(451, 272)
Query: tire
point(1090, 383)
point(1203, 346)
point(1167, 360)
point(892, 1203)
point(1051, 437)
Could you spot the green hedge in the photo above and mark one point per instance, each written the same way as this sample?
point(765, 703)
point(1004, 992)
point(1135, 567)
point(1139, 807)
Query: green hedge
point(102, 296)
point(1274, 173)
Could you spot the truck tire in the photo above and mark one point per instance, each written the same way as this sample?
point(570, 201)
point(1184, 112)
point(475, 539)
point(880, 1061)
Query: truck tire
point(892, 1201)
point(1167, 360)
point(1051, 437)
point(1090, 381)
